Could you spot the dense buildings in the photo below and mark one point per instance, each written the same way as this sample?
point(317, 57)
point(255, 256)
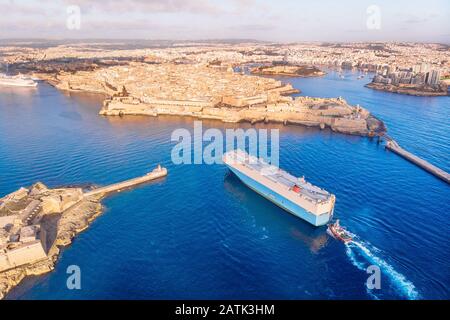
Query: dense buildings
point(420, 80)
point(363, 55)
point(418, 75)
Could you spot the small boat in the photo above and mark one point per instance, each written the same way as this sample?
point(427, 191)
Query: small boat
point(338, 232)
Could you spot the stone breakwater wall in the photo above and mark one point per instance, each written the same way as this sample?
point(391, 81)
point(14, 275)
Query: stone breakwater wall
point(155, 174)
point(425, 165)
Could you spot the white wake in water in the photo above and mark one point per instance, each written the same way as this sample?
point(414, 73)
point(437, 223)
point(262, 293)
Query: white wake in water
point(404, 287)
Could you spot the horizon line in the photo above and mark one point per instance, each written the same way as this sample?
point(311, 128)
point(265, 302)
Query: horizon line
point(217, 40)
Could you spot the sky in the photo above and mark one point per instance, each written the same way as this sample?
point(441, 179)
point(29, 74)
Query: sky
point(268, 20)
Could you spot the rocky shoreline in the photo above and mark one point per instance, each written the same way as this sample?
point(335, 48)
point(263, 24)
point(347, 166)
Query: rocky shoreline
point(36, 222)
point(408, 90)
point(335, 114)
point(60, 228)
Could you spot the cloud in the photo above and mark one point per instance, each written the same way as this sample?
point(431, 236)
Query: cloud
point(119, 25)
point(148, 6)
point(422, 19)
point(252, 27)
point(22, 9)
point(259, 19)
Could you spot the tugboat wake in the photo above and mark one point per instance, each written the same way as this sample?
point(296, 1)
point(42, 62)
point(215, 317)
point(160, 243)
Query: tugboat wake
point(363, 254)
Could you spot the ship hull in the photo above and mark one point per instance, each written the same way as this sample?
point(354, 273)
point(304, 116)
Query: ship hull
point(289, 206)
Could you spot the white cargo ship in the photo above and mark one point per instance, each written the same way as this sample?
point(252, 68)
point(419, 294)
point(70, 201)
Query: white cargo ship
point(17, 81)
point(295, 195)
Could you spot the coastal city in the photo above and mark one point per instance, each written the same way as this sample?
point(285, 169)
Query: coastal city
point(108, 126)
point(418, 80)
point(230, 83)
point(399, 67)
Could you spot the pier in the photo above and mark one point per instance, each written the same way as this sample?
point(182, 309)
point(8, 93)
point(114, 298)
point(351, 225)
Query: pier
point(396, 148)
point(159, 172)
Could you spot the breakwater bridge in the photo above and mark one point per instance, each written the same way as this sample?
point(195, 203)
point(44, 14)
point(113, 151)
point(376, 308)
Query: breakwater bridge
point(159, 172)
point(392, 145)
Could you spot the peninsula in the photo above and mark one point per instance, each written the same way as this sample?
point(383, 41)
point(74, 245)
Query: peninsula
point(211, 92)
point(288, 71)
point(36, 222)
point(196, 80)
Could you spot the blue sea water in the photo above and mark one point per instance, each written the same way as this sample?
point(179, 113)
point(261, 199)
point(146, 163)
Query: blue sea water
point(200, 233)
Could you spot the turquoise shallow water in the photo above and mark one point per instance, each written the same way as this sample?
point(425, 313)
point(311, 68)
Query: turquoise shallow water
point(200, 233)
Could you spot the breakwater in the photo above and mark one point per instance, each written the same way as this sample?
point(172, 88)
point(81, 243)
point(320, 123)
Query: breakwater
point(395, 147)
point(159, 172)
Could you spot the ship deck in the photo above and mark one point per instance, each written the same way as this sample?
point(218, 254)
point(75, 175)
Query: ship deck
point(280, 176)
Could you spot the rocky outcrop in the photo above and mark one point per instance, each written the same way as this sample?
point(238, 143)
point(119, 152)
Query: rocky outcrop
point(58, 216)
point(60, 227)
point(412, 90)
point(9, 279)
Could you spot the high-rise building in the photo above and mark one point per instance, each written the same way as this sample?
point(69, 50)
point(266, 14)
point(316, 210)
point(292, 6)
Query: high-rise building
point(395, 79)
point(435, 77)
point(427, 78)
point(424, 67)
point(416, 68)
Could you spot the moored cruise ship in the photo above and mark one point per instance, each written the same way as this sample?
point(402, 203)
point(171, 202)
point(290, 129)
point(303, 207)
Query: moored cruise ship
point(295, 195)
point(16, 81)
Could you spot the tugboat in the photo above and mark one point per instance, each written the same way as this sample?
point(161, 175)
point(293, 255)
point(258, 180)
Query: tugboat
point(338, 232)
